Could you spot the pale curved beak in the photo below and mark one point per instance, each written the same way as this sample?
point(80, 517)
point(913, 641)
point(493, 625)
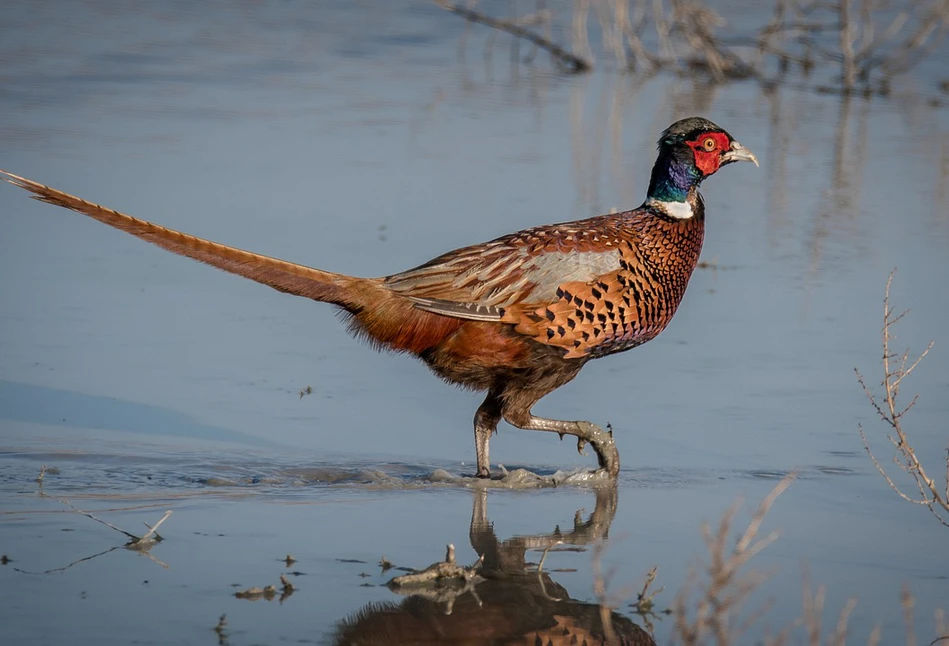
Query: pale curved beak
point(737, 152)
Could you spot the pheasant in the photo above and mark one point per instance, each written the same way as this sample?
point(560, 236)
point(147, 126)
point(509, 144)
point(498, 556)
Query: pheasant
point(518, 316)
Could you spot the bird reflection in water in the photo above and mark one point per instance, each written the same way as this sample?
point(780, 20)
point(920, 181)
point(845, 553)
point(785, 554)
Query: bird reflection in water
point(509, 603)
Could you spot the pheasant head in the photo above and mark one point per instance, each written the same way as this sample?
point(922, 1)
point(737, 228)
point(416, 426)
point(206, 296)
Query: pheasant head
point(689, 151)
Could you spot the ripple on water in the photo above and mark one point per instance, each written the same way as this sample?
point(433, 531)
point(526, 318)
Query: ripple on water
point(183, 473)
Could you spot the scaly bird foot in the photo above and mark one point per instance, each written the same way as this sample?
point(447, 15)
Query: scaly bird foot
point(602, 443)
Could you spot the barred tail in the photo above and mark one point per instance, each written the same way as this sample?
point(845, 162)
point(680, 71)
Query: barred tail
point(345, 291)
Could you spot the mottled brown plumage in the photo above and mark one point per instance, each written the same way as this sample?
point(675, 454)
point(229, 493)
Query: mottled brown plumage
point(518, 316)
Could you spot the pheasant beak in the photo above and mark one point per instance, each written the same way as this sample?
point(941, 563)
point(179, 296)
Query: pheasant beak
point(737, 152)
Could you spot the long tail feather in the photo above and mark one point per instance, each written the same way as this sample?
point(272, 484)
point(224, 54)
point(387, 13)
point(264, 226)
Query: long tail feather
point(281, 275)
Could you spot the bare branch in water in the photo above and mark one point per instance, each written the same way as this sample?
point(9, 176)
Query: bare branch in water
point(872, 41)
point(570, 62)
point(138, 542)
point(895, 370)
point(446, 570)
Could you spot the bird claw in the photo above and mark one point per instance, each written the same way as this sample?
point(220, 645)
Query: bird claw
point(581, 444)
point(561, 436)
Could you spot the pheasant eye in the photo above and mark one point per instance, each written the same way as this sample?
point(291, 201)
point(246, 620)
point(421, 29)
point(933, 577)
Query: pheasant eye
point(709, 143)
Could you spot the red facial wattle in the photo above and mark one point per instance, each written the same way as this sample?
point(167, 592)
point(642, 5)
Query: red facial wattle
point(708, 149)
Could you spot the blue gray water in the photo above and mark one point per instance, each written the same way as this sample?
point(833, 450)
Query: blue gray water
point(356, 137)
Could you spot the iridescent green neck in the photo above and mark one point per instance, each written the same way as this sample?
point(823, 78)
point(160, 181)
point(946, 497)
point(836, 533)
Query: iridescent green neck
point(672, 178)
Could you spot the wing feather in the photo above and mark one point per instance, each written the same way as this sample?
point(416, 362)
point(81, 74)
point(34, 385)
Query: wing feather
point(480, 282)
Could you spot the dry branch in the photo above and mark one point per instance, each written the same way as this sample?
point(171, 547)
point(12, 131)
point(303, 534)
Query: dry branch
point(728, 585)
point(447, 570)
point(221, 630)
point(269, 592)
point(895, 370)
point(645, 598)
point(570, 62)
point(144, 542)
point(442, 582)
point(255, 593)
point(871, 41)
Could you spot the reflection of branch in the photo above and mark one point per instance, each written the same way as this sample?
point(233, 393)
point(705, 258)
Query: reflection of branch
point(894, 371)
point(142, 547)
point(872, 40)
point(847, 36)
point(66, 567)
point(570, 61)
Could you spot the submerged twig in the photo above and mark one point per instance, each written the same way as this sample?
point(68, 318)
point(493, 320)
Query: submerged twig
point(221, 630)
point(255, 593)
point(441, 582)
point(286, 588)
point(142, 544)
point(152, 529)
point(138, 542)
point(645, 598)
point(269, 592)
point(447, 570)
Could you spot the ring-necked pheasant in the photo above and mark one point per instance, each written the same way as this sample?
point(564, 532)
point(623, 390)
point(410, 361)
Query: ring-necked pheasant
point(518, 316)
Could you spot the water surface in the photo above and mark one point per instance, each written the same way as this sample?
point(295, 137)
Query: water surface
point(355, 138)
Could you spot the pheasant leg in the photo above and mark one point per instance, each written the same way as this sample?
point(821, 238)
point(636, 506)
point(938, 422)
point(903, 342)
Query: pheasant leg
point(600, 440)
point(485, 423)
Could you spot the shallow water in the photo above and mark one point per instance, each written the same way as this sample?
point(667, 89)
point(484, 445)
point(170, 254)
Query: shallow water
point(359, 140)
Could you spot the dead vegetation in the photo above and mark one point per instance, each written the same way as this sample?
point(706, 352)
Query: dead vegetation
point(866, 43)
point(443, 583)
point(728, 583)
point(221, 630)
point(141, 544)
point(896, 367)
point(440, 572)
point(519, 28)
point(269, 592)
point(712, 606)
